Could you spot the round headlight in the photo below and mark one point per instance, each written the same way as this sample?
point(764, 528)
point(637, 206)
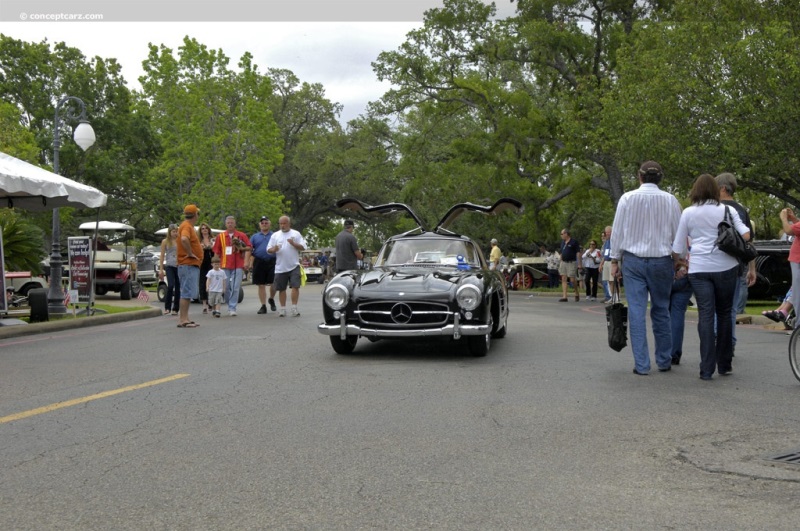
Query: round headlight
point(468, 297)
point(336, 297)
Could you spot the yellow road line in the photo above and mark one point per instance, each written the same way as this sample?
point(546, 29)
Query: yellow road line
point(76, 401)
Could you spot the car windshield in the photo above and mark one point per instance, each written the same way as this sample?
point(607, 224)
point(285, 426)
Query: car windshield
point(428, 251)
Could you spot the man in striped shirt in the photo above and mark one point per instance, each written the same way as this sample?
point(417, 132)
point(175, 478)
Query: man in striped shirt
point(644, 229)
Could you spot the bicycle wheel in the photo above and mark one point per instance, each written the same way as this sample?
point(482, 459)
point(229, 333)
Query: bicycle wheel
point(794, 355)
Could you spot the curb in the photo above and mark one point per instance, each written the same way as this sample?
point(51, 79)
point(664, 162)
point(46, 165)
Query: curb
point(68, 324)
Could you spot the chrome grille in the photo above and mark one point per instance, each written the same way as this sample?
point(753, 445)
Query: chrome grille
point(406, 314)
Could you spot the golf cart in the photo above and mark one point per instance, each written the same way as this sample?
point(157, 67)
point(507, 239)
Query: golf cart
point(112, 270)
point(309, 259)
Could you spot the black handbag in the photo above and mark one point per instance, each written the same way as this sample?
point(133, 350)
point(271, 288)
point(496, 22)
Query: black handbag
point(617, 320)
point(729, 240)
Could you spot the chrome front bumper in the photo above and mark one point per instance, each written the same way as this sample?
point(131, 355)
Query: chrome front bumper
point(455, 330)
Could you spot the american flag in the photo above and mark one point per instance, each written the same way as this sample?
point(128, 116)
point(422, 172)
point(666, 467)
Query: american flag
point(66, 297)
point(143, 296)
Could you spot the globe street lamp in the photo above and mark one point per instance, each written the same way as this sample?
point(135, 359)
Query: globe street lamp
point(84, 137)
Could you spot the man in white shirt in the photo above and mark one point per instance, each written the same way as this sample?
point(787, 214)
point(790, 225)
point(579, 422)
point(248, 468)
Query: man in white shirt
point(644, 229)
point(286, 245)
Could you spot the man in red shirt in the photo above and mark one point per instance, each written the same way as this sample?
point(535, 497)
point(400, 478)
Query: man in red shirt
point(233, 248)
point(190, 256)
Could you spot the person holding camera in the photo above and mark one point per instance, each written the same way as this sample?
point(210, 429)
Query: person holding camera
point(233, 248)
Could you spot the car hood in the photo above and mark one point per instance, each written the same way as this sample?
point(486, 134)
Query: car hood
point(409, 280)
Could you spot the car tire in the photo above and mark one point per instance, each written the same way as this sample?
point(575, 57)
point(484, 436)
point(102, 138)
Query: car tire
point(125, 291)
point(501, 332)
point(522, 280)
point(161, 291)
point(136, 288)
point(479, 345)
point(343, 346)
point(241, 295)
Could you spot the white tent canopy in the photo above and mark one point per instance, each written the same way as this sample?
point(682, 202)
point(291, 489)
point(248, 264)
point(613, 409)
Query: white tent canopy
point(163, 232)
point(28, 187)
point(105, 225)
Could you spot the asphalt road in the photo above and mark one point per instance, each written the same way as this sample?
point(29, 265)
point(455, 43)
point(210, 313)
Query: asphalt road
point(253, 422)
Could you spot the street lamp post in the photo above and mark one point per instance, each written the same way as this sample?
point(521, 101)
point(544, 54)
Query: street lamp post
point(84, 137)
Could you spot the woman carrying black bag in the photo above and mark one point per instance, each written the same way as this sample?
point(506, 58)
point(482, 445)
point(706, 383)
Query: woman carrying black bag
point(712, 273)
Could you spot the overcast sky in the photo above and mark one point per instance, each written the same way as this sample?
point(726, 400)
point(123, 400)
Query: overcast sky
point(312, 41)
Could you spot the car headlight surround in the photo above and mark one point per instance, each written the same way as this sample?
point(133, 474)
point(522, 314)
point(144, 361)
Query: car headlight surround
point(337, 296)
point(468, 297)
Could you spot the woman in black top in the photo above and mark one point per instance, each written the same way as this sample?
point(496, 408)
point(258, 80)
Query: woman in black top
point(206, 242)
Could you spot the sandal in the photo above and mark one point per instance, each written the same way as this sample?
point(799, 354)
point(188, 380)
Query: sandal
point(775, 315)
point(205, 310)
point(188, 325)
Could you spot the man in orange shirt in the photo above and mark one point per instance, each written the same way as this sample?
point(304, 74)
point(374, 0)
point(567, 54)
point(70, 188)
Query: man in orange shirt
point(190, 256)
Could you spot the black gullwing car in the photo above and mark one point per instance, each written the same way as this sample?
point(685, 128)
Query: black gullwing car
point(423, 283)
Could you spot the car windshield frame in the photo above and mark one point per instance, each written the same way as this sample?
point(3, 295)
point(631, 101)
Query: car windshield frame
point(436, 251)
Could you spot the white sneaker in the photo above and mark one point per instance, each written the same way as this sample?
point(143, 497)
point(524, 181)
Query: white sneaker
point(295, 312)
point(232, 313)
point(282, 313)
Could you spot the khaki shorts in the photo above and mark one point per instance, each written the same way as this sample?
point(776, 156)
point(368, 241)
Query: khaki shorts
point(568, 269)
point(607, 271)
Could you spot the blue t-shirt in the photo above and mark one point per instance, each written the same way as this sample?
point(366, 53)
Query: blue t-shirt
point(260, 241)
point(607, 250)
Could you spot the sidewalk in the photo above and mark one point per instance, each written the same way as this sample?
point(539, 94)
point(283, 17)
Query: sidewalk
point(154, 309)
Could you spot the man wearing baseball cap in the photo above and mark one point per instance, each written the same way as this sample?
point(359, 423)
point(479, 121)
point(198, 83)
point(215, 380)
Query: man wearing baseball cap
point(262, 264)
point(190, 256)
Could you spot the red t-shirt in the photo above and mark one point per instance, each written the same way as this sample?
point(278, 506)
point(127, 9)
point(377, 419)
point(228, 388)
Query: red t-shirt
point(794, 251)
point(229, 257)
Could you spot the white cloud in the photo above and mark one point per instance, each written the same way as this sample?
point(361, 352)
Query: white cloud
point(336, 54)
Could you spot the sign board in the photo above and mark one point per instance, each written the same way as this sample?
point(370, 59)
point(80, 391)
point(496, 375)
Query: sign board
point(80, 267)
point(4, 303)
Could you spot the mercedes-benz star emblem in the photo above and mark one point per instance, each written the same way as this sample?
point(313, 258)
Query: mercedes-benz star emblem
point(401, 313)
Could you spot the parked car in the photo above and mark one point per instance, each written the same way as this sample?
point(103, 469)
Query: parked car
point(21, 282)
point(147, 265)
point(423, 283)
point(773, 273)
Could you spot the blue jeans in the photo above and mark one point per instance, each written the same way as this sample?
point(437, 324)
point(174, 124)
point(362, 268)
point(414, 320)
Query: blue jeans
point(714, 295)
point(651, 276)
point(172, 300)
point(233, 280)
point(738, 304)
point(678, 302)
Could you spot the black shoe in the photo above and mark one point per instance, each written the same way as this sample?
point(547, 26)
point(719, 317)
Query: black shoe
point(272, 305)
point(263, 309)
point(676, 361)
point(639, 373)
point(664, 369)
point(724, 372)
